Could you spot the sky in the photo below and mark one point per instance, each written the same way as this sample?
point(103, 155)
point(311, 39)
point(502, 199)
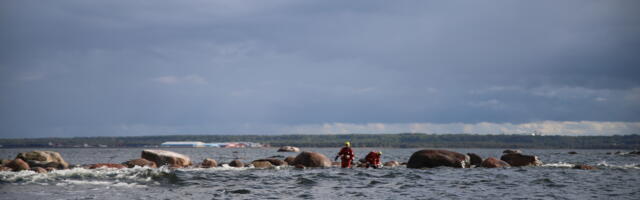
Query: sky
point(128, 68)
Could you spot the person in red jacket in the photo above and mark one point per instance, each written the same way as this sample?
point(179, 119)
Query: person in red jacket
point(373, 159)
point(346, 155)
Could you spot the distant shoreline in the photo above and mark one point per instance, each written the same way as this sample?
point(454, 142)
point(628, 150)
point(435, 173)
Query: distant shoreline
point(401, 140)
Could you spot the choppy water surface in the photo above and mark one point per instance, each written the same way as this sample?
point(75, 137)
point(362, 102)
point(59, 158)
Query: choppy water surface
point(618, 178)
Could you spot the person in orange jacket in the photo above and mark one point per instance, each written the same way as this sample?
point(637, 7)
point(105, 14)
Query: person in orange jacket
point(346, 155)
point(373, 159)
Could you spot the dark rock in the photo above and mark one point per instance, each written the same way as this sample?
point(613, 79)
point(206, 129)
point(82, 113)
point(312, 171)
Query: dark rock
point(44, 159)
point(277, 156)
point(518, 160)
point(50, 169)
point(508, 151)
point(392, 163)
point(209, 163)
point(492, 162)
point(162, 157)
point(39, 170)
point(18, 165)
point(289, 160)
point(584, 167)
point(475, 159)
point(236, 163)
point(106, 165)
point(436, 158)
point(572, 152)
point(140, 162)
point(288, 149)
point(312, 159)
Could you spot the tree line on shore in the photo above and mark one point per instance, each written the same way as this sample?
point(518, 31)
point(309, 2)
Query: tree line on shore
point(402, 140)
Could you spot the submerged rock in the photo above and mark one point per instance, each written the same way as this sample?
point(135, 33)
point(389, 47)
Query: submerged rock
point(162, 157)
point(141, 162)
point(18, 165)
point(475, 159)
point(288, 149)
point(106, 165)
point(436, 158)
point(392, 163)
point(519, 160)
point(209, 163)
point(236, 163)
point(44, 159)
point(312, 159)
point(492, 162)
point(572, 152)
point(584, 167)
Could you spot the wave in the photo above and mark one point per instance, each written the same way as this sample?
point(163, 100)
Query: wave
point(601, 164)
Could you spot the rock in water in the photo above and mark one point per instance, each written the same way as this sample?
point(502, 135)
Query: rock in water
point(18, 165)
point(39, 170)
point(162, 157)
point(436, 158)
point(312, 159)
point(584, 167)
point(106, 165)
point(273, 161)
point(236, 163)
point(44, 159)
point(519, 160)
point(290, 160)
point(209, 163)
point(288, 149)
point(475, 159)
point(392, 163)
point(141, 162)
point(511, 151)
point(261, 164)
point(492, 162)
point(5, 169)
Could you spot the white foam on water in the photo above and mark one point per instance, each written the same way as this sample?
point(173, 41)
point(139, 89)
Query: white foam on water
point(82, 176)
point(624, 166)
point(559, 164)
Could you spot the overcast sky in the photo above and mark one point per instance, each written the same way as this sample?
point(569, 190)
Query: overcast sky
point(112, 68)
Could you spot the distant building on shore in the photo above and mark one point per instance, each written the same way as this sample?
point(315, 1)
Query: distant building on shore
point(183, 144)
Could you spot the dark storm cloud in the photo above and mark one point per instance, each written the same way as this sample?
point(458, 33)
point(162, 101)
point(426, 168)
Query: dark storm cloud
point(162, 67)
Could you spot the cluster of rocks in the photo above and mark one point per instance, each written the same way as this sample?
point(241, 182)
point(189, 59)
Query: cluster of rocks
point(38, 161)
point(429, 158)
point(44, 161)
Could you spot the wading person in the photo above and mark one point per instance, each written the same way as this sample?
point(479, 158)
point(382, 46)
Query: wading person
point(346, 155)
point(373, 159)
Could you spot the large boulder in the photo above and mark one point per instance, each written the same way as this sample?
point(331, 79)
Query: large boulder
point(4, 162)
point(436, 158)
point(492, 162)
point(44, 159)
point(261, 164)
point(312, 159)
point(162, 157)
point(475, 159)
point(392, 163)
point(236, 163)
point(288, 149)
point(289, 160)
point(209, 163)
point(18, 165)
point(106, 165)
point(519, 160)
point(141, 162)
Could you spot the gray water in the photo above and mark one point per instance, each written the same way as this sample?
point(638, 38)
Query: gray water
point(617, 178)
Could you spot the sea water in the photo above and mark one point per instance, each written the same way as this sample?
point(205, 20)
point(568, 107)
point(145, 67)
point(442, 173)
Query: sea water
point(618, 177)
